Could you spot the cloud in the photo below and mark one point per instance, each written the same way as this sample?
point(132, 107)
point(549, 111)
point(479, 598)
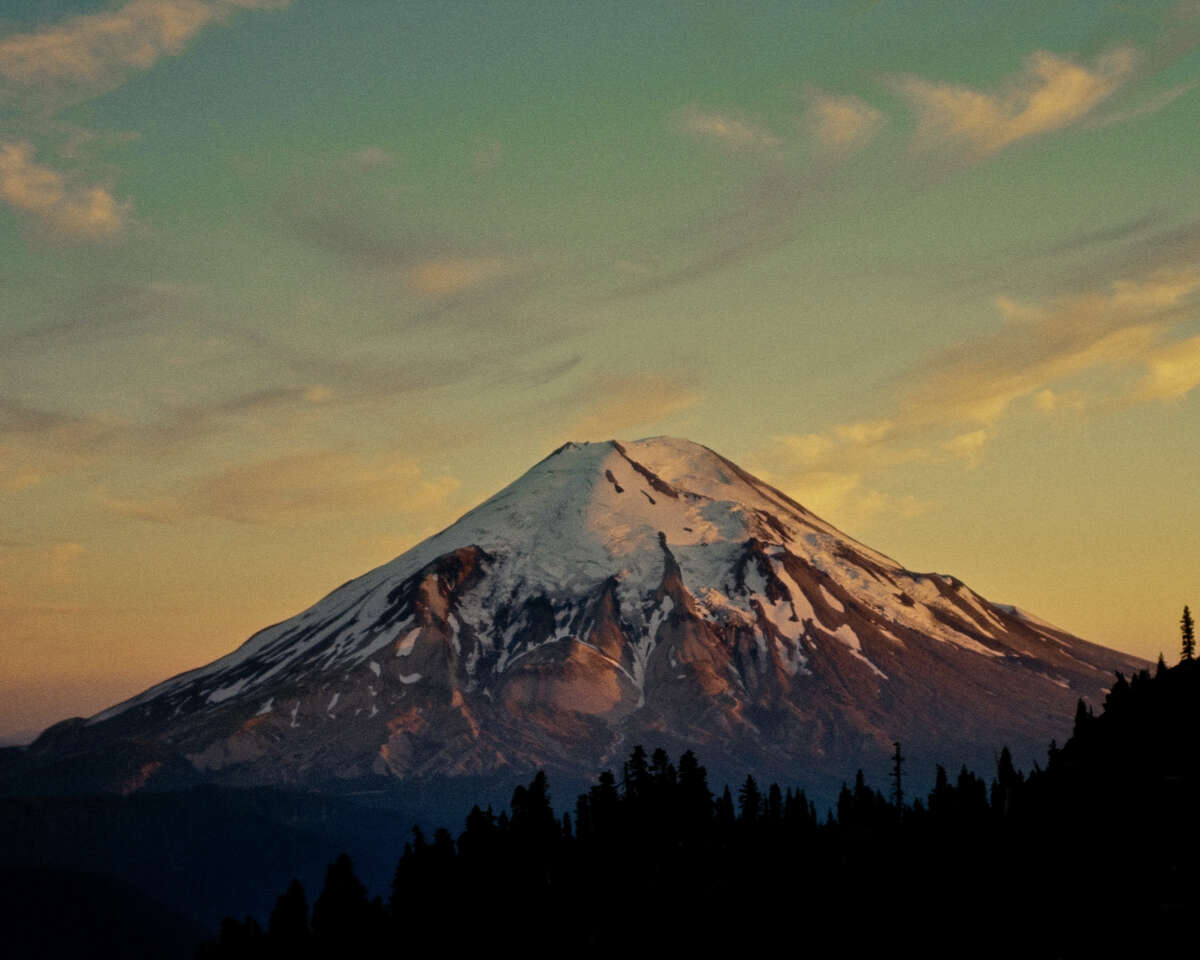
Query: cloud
point(946, 408)
point(841, 124)
point(978, 381)
point(92, 53)
point(1151, 105)
point(445, 276)
point(726, 129)
point(614, 405)
point(1048, 94)
point(353, 238)
point(287, 490)
point(38, 443)
point(968, 446)
point(76, 212)
point(1173, 372)
point(851, 447)
point(843, 495)
point(431, 266)
point(70, 62)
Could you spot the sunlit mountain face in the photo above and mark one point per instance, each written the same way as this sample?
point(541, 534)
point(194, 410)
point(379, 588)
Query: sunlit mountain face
point(615, 594)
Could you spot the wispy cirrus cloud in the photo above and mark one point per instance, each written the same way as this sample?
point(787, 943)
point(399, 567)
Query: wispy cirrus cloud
point(1048, 93)
point(608, 406)
point(37, 444)
point(1044, 344)
point(1172, 371)
point(841, 123)
point(726, 129)
point(278, 491)
point(429, 265)
point(1118, 344)
point(93, 53)
point(446, 276)
point(53, 200)
point(46, 70)
point(1149, 106)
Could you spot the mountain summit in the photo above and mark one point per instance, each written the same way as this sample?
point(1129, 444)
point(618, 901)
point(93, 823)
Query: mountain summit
point(616, 593)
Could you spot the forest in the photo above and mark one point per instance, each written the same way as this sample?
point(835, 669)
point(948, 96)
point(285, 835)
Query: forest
point(1092, 853)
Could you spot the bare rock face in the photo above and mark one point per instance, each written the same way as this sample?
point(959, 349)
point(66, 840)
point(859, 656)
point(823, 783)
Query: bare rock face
point(651, 592)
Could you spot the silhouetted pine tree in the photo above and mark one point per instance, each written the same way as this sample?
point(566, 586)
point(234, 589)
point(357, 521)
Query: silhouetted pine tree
point(636, 785)
point(1007, 784)
point(1188, 630)
point(341, 915)
point(695, 804)
point(240, 940)
point(288, 925)
point(965, 858)
point(749, 802)
point(724, 812)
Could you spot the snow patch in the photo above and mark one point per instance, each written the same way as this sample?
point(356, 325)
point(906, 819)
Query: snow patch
point(405, 646)
point(832, 600)
point(222, 694)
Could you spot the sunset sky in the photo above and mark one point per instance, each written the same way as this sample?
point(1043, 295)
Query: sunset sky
point(285, 287)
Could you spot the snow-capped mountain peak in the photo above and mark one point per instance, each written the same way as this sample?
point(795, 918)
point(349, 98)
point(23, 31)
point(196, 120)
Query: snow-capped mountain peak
point(612, 591)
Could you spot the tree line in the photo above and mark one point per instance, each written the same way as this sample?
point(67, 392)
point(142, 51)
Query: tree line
point(1093, 852)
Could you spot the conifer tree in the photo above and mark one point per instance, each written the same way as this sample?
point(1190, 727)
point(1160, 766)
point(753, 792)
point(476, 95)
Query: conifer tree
point(695, 799)
point(288, 924)
point(340, 915)
point(1188, 629)
point(750, 801)
point(637, 776)
point(724, 810)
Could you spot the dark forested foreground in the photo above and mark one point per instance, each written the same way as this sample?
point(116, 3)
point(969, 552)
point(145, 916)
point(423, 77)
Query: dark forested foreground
point(1093, 855)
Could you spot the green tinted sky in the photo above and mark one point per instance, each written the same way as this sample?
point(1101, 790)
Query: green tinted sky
point(287, 286)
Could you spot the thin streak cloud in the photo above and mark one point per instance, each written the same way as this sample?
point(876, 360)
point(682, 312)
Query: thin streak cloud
point(282, 491)
point(726, 129)
point(1049, 93)
point(841, 123)
point(67, 209)
point(92, 53)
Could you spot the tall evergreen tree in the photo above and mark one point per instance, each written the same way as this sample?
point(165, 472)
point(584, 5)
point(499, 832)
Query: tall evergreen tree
point(1188, 629)
point(288, 925)
point(695, 799)
point(725, 816)
point(341, 914)
point(750, 801)
point(637, 776)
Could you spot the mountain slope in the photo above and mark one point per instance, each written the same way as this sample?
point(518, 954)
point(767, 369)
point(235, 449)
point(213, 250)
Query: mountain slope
point(615, 593)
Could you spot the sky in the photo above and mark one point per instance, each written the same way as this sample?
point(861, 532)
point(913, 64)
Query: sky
point(286, 287)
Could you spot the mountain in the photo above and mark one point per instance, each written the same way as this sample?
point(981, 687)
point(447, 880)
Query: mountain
point(648, 592)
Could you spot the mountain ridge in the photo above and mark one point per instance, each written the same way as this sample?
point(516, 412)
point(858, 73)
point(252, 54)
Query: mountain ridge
point(650, 590)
